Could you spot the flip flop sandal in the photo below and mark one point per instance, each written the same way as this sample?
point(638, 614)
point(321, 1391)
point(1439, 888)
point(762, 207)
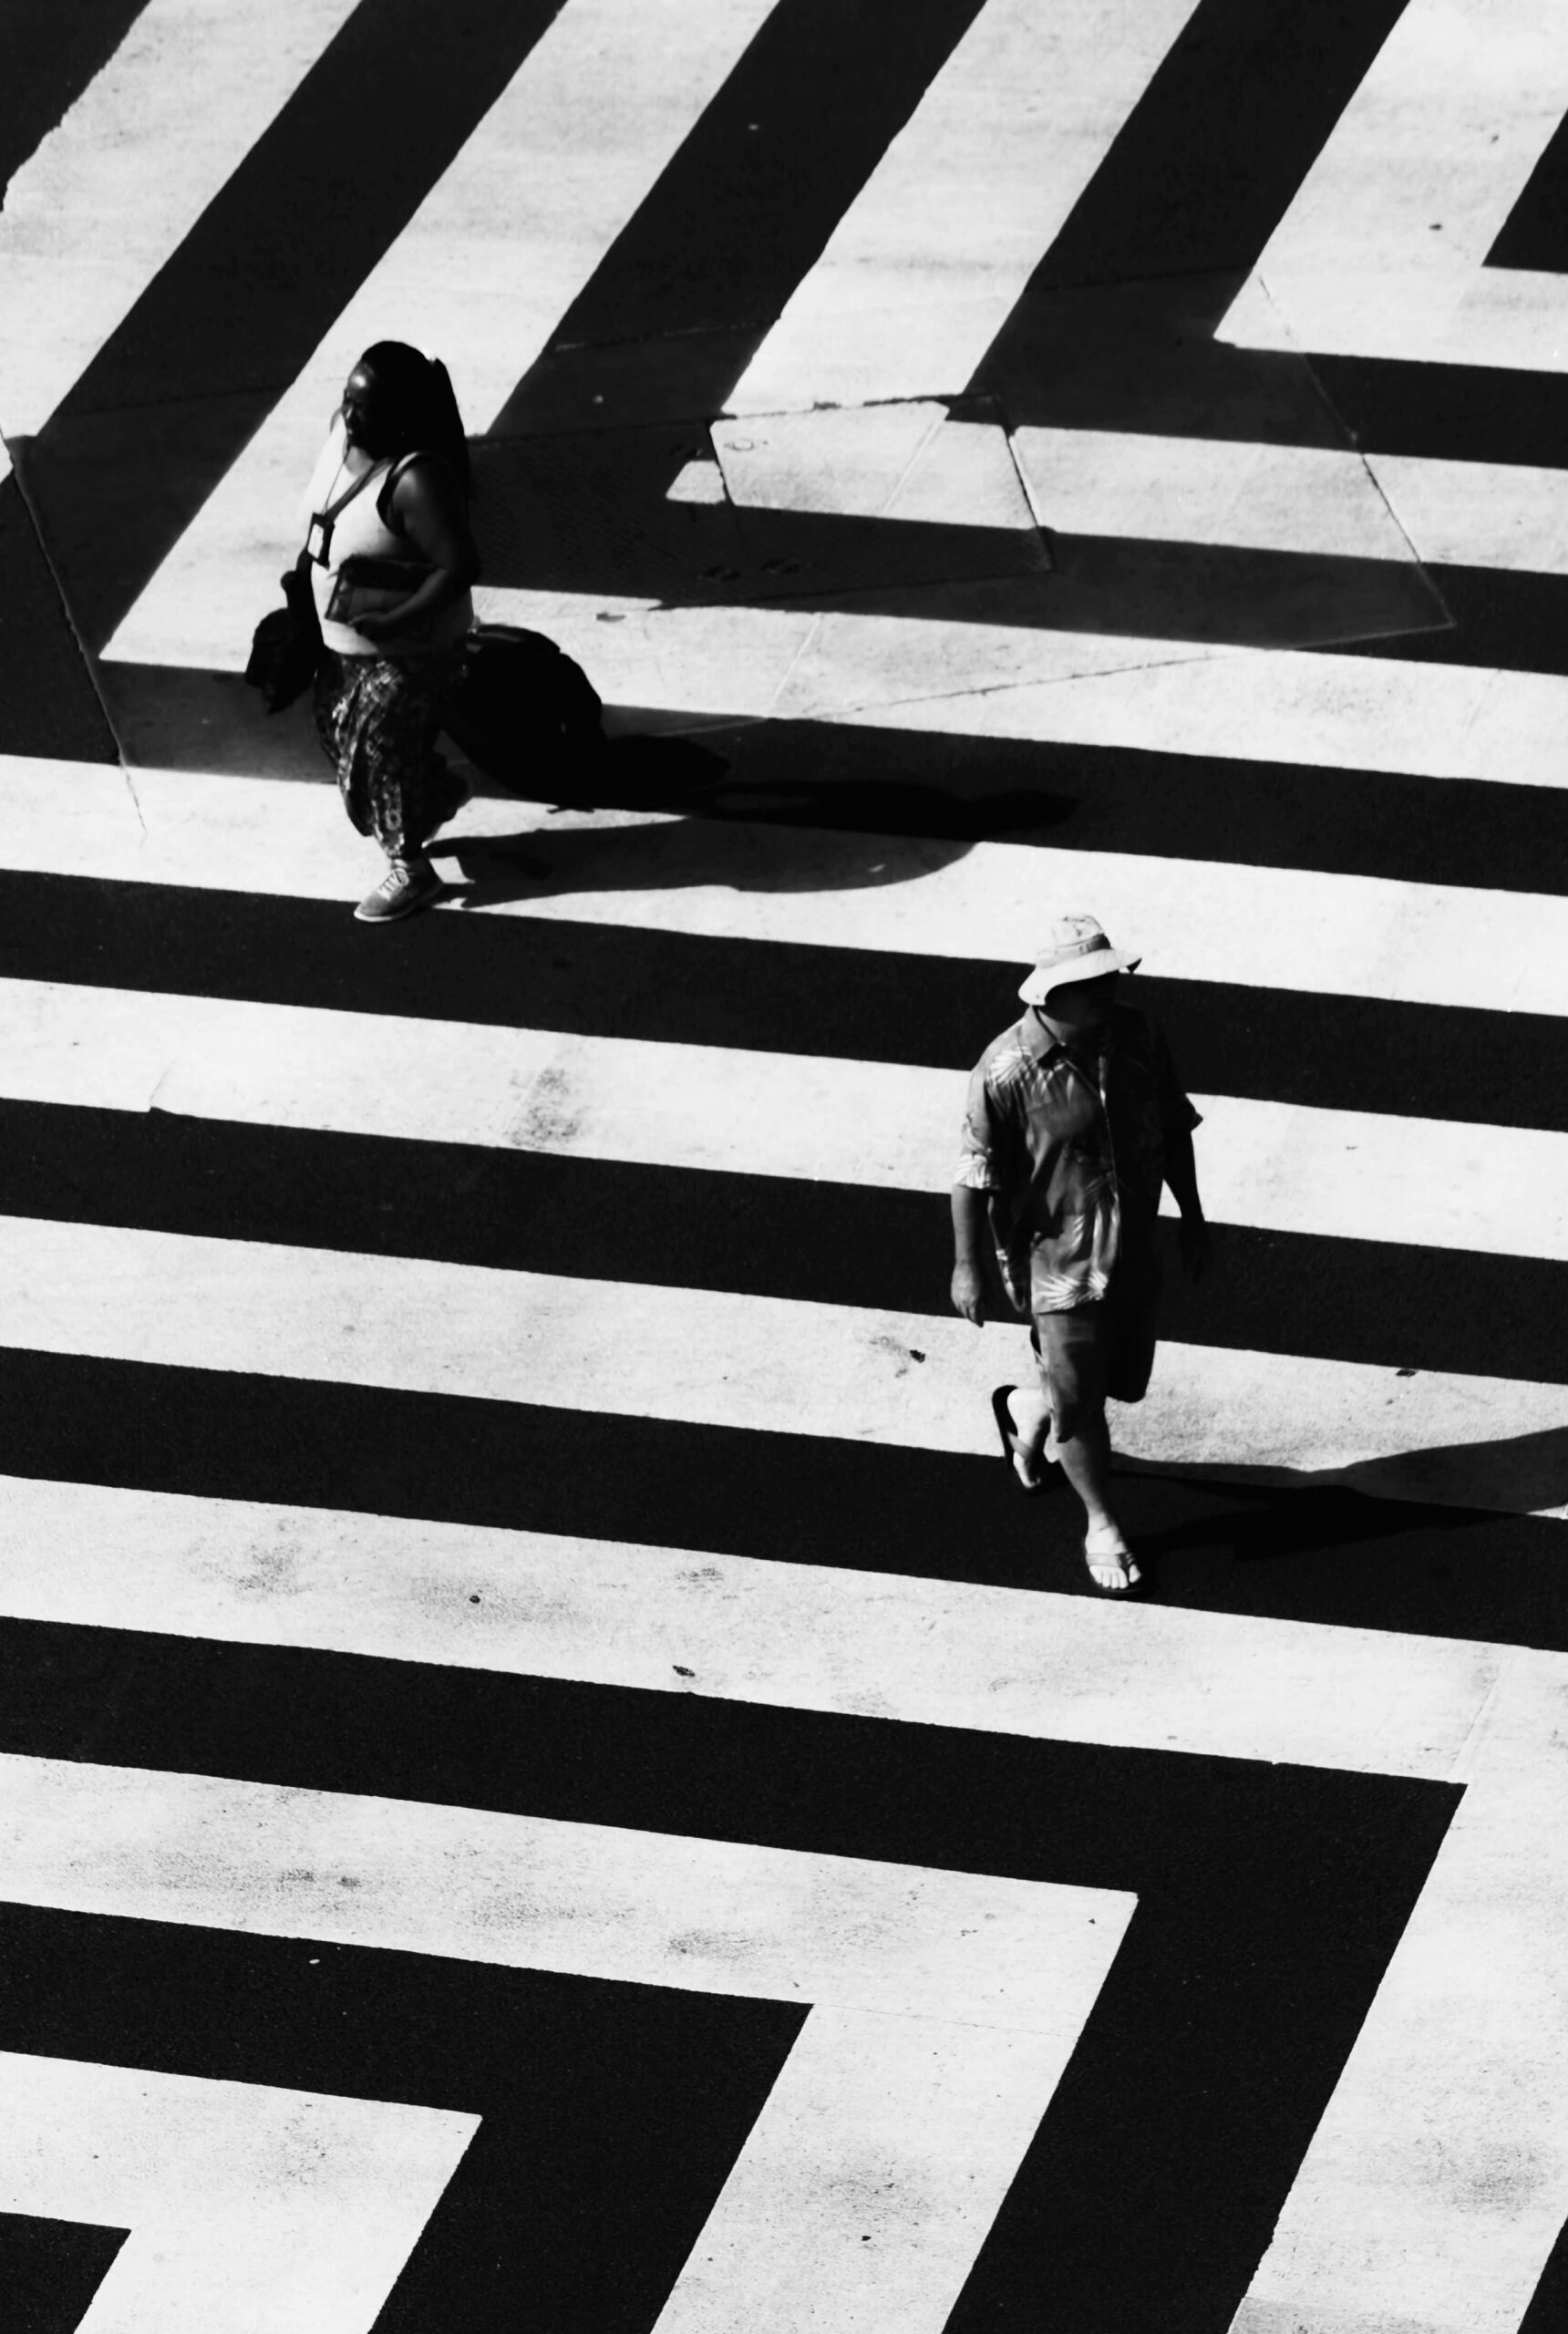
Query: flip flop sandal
point(1108, 1556)
point(1005, 1429)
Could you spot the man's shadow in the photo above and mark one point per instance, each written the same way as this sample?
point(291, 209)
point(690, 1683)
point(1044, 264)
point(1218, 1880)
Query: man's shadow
point(1523, 1475)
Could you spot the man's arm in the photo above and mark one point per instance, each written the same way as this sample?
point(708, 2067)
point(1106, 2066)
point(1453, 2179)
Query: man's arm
point(971, 1235)
point(1182, 1175)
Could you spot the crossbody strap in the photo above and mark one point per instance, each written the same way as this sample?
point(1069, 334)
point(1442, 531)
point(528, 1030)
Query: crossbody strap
point(321, 521)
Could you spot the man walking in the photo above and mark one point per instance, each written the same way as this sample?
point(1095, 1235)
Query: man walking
point(1074, 1118)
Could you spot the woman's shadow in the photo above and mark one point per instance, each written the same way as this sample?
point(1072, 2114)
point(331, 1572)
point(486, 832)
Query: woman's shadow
point(680, 828)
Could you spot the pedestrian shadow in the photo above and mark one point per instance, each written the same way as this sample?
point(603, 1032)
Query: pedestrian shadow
point(1524, 1474)
point(670, 849)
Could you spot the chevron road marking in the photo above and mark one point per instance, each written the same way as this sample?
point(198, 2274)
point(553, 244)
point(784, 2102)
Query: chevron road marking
point(761, 1364)
point(1343, 1175)
point(252, 2209)
point(489, 262)
point(1383, 251)
point(1438, 2178)
point(108, 196)
point(942, 2006)
point(1351, 936)
point(925, 267)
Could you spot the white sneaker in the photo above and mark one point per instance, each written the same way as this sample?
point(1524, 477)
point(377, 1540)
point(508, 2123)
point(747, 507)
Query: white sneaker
point(407, 885)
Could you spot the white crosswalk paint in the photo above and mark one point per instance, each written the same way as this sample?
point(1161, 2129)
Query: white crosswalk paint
point(794, 1635)
point(916, 668)
point(1383, 251)
point(942, 2006)
point(1269, 927)
point(108, 196)
point(483, 272)
point(253, 2209)
point(924, 267)
point(764, 1364)
point(1343, 1175)
point(1321, 501)
point(1441, 2171)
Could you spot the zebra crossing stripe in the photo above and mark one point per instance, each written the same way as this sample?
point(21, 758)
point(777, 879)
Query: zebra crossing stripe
point(249, 2207)
point(926, 264)
point(491, 259)
point(1410, 2129)
point(1499, 1190)
point(799, 1635)
point(942, 2006)
point(1338, 936)
point(1324, 501)
point(760, 1364)
point(97, 211)
point(1383, 253)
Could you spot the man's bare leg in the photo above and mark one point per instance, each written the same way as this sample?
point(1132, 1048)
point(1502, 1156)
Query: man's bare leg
point(1031, 1416)
point(1085, 1457)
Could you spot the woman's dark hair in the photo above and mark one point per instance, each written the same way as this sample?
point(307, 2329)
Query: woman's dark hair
point(416, 405)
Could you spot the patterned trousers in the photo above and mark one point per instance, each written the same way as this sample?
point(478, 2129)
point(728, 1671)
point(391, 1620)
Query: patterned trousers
point(378, 719)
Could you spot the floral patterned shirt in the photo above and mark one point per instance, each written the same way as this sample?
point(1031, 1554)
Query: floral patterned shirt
point(1073, 1162)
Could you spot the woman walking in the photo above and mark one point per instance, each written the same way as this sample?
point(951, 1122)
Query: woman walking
point(393, 561)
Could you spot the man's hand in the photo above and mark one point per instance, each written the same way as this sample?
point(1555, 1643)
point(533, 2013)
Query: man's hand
point(1196, 1244)
point(969, 1292)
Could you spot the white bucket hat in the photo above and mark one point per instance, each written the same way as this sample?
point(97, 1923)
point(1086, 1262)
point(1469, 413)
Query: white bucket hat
point(1076, 949)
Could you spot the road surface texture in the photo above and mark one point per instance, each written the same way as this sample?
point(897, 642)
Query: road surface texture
point(548, 1781)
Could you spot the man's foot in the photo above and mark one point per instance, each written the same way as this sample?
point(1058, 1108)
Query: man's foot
point(1112, 1566)
point(407, 885)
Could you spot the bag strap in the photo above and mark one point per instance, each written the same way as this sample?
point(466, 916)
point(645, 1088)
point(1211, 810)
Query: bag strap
point(346, 496)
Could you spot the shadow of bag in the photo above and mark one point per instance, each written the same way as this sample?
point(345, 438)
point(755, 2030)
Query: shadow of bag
point(285, 648)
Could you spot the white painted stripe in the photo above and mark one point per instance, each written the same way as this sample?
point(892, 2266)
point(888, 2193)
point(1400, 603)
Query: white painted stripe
point(910, 670)
point(1415, 2126)
point(253, 2209)
point(924, 268)
point(764, 1364)
point(1436, 2181)
point(1322, 502)
point(110, 194)
point(917, 669)
point(484, 271)
point(1319, 501)
point(1343, 1175)
point(1383, 251)
point(735, 1628)
point(943, 2006)
point(1268, 927)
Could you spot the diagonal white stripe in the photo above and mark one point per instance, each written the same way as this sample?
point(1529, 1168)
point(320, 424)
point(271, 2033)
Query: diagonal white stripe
point(1345, 1174)
point(925, 267)
point(486, 268)
point(764, 1364)
point(109, 195)
point(1271, 927)
point(256, 2209)
point(1383, 251)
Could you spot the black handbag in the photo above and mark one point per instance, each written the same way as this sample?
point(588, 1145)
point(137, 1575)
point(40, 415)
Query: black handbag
point(285, 648)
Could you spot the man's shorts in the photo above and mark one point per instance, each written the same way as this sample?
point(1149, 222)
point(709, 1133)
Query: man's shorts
point(1093, 1352)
